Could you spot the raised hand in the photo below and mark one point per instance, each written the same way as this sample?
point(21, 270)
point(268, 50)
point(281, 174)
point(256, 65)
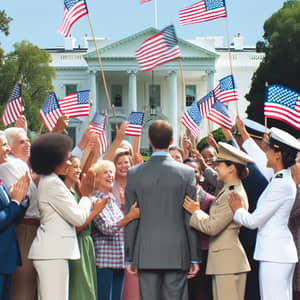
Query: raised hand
point(61, 124)
point(211, 141)
point(87, 184)
point(21, 123)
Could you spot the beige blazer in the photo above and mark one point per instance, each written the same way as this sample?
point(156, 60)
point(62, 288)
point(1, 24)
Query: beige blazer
point(56, 236)
point(225, 254)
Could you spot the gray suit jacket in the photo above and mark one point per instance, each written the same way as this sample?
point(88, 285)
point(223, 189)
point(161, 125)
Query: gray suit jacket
point(162, 237)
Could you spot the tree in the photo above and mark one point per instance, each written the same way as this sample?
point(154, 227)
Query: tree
point(4, 27)
point(31, 64)
point(281, 64)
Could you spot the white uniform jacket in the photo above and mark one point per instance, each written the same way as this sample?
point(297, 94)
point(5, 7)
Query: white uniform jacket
point(56, 237)
point(274, 240)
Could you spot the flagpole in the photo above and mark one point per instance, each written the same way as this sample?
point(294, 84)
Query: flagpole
point(114, 113)
point(230, 60)
point(266, 119)
point(99, 58)
point(155, 14)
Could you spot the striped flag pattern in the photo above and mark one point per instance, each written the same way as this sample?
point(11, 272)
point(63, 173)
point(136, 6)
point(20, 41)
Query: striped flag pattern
point(206, 103)
point(144, 1)
point(226, 91)
point(158, 49)
point(192, 119)
point(202, 11)
point(76, 105)
point(220, 115)
point(50, 111)
point(283, 104)
point(136, 120)
point(14, 106)
point(73, 11)
point(98, 126)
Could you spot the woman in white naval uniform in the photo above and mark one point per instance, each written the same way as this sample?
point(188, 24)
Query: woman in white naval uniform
point(275, 248)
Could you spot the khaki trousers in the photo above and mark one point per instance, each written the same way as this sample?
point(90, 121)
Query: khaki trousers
point(229, 286)
point(24, 285)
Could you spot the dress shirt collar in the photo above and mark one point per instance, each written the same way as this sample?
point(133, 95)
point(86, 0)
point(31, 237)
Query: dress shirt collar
point(160, 153)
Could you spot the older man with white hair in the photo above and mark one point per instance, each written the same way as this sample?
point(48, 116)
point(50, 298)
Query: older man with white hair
point(24, 284)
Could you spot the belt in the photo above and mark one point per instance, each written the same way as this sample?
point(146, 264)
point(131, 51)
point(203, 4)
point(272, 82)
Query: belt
point(30, 222)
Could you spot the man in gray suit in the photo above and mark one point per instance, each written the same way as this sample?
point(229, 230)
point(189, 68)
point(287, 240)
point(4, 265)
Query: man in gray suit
point(161, 245)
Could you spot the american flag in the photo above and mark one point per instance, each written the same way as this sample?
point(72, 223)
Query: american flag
point(76, 105)
point(73, 10)
point(158, 49)
point(98, 126)
point(50, 111)
point(283, 103)
point(14, 106)
point(226, 91)
point(202, 11)
point(144, 1)
point(135, 124)
point(192, 119)
point(220, 115)
point(206, 103)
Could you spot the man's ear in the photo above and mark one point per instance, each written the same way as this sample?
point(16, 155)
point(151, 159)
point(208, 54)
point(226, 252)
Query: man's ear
point(172, 140)
point(149, 141)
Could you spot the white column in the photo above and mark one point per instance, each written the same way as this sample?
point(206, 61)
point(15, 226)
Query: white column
point(210, 80)
point(173, 108)
point(93, 87)
point(132, 98)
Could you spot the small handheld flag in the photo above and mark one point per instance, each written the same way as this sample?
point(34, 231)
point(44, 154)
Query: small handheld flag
point(220, 115)
point(135, 124)
point(98, 126)
point(158, 49)
point(206, 103)
point(14, 106)
point(50, 111)
point(283, 103)
point(226, 91)
point(192, 119)
point(76, 105)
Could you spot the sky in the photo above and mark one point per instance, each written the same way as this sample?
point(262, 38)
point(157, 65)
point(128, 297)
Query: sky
point(37, 20)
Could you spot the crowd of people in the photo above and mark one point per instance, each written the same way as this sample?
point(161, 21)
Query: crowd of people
point(218, 224)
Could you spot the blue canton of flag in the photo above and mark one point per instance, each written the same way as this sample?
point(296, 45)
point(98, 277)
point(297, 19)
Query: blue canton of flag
point(192, 119)
point(14, 106)
point(214, 4)
point(220, 115)
point(136, 120)
point(206, 103)
point(226, 91)
point(169, 36)
point(50, 111)
point(283, 104)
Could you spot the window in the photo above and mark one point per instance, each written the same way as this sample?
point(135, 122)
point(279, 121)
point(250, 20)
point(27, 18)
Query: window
point(71, 89)
point(113, 130)
point(72, 133)
point(116, 95)
point(154, 95)
point(190, 94)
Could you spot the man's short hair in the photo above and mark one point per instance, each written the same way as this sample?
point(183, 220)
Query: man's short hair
point(160, 134)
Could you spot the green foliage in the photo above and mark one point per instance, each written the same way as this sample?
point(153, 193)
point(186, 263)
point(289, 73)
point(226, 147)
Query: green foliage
point(281, 64)
point(218, 136)
point(31, 64)
point(4, 22)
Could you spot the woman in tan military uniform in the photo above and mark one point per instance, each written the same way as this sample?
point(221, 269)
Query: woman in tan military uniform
point(227, 261)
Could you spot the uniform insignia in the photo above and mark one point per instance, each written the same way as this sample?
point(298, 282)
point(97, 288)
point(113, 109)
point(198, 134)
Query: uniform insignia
point(216, 203)
point(280, 175)
point(231, 188)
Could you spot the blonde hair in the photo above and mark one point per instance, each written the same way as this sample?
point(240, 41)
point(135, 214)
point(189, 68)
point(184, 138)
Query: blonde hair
point(100, 165)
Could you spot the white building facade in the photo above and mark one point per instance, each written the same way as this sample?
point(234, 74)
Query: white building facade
point(159, 93)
